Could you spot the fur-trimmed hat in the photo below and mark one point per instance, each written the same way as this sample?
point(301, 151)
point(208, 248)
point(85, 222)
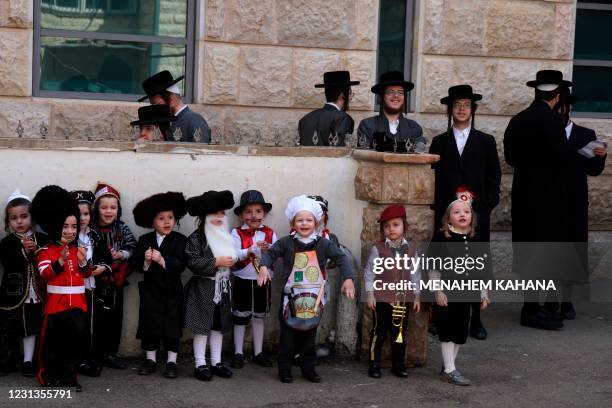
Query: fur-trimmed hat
point(50, 208)
point(146, 210)
point(210, 202)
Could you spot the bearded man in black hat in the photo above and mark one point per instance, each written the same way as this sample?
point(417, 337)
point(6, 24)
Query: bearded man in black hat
point(536, 146)
point(329, 125)
point(190, 126)
point(468, 157)
point(390, 124)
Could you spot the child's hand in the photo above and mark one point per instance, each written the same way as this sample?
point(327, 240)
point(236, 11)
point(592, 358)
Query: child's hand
point(224, 261)
point(264, 276)
point(348, 288)
point(82, 256)
point(371, 301)
point(28, 245)
point(63, 255)
point(156, 256)
point(149, 255)
point(98, 270)
point(441, 299)
point(484, 302)
point(416, 306)
point(263, 245)
point(117, 255)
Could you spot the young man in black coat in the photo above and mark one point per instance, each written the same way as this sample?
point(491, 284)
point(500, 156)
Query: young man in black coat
point(329, 125)
point(468, 157)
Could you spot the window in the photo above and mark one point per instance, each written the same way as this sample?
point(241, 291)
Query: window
point(593, 59)
point(104, 49)
point(395, 37)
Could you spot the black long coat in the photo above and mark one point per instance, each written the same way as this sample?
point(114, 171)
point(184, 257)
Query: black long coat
point(408, 129)
point(326, 121)
point(161, 291)
point(477, 169)
point(536, 147)
point(189, 126)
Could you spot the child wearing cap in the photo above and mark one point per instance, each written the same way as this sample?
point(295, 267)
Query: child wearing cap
point(304, 255)
point(250, 302)
point(160, 256)
point(390, 307)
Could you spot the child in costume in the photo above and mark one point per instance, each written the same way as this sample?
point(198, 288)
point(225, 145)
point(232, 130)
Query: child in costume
point(210, 254)
point(120, 241)
point(63, 265)
point(451, 312)
point(304, 256)
point(389, 308)
point(160, 255)
point(250, 302)
point(21, 291)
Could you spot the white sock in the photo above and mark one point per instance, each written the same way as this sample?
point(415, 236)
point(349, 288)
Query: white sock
point(448, 355)
point(239, 330)
point(172, 357)
point(456, 349)
point(151, 355)
point(199, 349)
point(28, 347)
point(258, 334)
point(216, 342)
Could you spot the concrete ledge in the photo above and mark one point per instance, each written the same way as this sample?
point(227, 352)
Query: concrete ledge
point(384, 157)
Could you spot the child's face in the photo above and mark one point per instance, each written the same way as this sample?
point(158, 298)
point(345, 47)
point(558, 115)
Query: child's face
point(217, 218)
point(85, 216)
point(108, 210)
point(304, 223)
point(164, 222)
point(460, 216)
point(69, 230)
point(394, 229)
point(253, 215)
point(147, 132)
point(19, 219)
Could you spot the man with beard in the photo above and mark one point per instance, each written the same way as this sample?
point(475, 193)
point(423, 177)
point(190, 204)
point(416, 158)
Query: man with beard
point(390, 124)
point(468, 157)
point(210, 254)
point(329, 125)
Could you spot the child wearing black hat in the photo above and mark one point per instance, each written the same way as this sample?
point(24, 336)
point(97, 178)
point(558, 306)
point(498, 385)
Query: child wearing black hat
point(153, 123)
point(210, 254)
point(63, 265)
point(250, 302)
point(160, 255)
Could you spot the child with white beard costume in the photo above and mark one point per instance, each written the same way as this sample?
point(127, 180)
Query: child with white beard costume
point(210, 253)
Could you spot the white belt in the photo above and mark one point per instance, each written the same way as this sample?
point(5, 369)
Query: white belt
point(65, 290)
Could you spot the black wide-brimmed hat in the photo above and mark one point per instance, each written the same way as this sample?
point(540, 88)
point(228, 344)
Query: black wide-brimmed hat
point(153, 115)
point(567, 97)
point(210, 202)
point(391, 78)
point(157, 83)
point(334, 79)
point(50, 208)
point(83, 196)
point(460, 92)
point(549, 77)
point(146, 210)
point(252, 197)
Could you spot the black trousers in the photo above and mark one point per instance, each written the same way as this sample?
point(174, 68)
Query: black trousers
point(294, 342)
point(152, 343)
point(108, 321)
point(381, 328)
point(62, 342)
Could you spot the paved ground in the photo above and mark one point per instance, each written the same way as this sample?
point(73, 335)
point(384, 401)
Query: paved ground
point(515, 367)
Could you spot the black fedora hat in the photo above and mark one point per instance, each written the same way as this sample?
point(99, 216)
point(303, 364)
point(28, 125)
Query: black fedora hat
point(153, 115)
point(157, 83)
point(460, 92)
point(146, 210)
point(252, 197)
point(549, 77)
point(391, 78)
point(333, 79)
point(210, 202)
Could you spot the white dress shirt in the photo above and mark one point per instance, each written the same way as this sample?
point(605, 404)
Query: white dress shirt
point(393, 126)
point(461, 137)
point(568, 129)
point(333, 104)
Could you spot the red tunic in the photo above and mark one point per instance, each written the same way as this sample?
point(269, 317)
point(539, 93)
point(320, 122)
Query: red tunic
point(246, 240)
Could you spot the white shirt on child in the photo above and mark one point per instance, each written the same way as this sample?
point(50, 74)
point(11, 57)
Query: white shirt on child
point(370, 276)
point(248, 272)
point(85, 240)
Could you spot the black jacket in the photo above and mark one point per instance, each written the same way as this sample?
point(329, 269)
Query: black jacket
point(408, 129)
point(327, 121)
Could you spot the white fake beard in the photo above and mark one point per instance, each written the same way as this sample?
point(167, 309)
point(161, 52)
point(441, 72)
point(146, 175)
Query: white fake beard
point(219, 238)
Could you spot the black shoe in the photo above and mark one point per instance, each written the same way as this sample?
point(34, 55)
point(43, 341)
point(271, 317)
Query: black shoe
point(171, 370)
point(90, 369)
point(374, 369)
point(237, 361)
point(478, 331)
point(221, 371)
point(285, 376)
point(202, 373)
point(28, 369)
point(540, 320)
point(567, 311)
point(551, 306)
point(262, 360)
point(70, 384)
point(114, 362)
point(312, 376)
point(399, 370)
point(147, 367)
